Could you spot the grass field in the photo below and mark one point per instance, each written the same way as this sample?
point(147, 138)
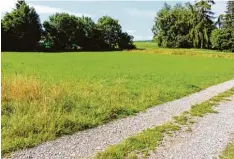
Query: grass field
point(45, 96)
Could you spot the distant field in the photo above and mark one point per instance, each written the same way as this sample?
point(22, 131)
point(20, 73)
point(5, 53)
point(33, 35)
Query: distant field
point(145, 44)
point(45, 96)
point(151, 47)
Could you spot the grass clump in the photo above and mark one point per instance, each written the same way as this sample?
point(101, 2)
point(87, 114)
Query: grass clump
point(139, 144)
point(202, 109)
point(207, 106)
point(182, 119)
point(228, 153)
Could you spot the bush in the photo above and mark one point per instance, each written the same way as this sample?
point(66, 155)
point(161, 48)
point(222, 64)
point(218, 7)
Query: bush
point(126, 42)
point(183, 42)
point(223, 39)
point(22, 31)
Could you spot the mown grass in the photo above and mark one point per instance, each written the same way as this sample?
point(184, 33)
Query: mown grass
point(45, 96)
point(148, 140)
point(228, 153)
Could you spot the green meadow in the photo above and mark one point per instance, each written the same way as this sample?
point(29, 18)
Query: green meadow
point(47, 95)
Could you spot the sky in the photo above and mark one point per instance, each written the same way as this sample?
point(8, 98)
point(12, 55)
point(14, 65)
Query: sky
point(135, 17)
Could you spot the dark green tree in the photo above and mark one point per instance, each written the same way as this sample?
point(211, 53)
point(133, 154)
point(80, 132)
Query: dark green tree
point(161, 25)
point(4, 37)
point(126, 41)
point(22, 28)
point(204, 24)
point(64, 31)
point(229, 16)
point(184, 26)
point(110, 32)
point(172, 27)
point(22, 31)
point(223, 38)
point(91, 34)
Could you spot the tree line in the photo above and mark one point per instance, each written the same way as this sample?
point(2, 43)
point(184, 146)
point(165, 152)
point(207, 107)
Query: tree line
point(22, 31)
point(194, 26)
point(180, 26)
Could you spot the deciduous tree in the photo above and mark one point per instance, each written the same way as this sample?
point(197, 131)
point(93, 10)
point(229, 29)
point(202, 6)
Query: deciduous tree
point(22, 27)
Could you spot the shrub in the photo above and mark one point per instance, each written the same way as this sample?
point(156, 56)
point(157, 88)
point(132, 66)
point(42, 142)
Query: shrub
point(223, 39)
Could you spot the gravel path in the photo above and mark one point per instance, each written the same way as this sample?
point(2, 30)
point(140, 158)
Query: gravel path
point(208, 138)
point(86, 143)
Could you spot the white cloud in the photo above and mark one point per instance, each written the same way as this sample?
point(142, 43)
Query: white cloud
point(137, 12)
point(219, 7)
point(130, 31)
point(8, 5)
point(41, 9)
point(150, 37)
point(137, 37)
point(103, 11)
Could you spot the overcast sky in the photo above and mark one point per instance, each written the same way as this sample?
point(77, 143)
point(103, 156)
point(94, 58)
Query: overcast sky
point(135, 17)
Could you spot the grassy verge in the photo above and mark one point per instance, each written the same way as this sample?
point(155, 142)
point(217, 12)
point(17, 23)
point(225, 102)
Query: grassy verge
point(45, 96)
point(228, 153)
point(149, 139)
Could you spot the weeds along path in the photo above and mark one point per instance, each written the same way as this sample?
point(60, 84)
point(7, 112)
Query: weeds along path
point(87, 143)
point(208, 138)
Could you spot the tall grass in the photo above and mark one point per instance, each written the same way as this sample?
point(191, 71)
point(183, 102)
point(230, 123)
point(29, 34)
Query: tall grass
point(33, 111)
point(45, 96)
